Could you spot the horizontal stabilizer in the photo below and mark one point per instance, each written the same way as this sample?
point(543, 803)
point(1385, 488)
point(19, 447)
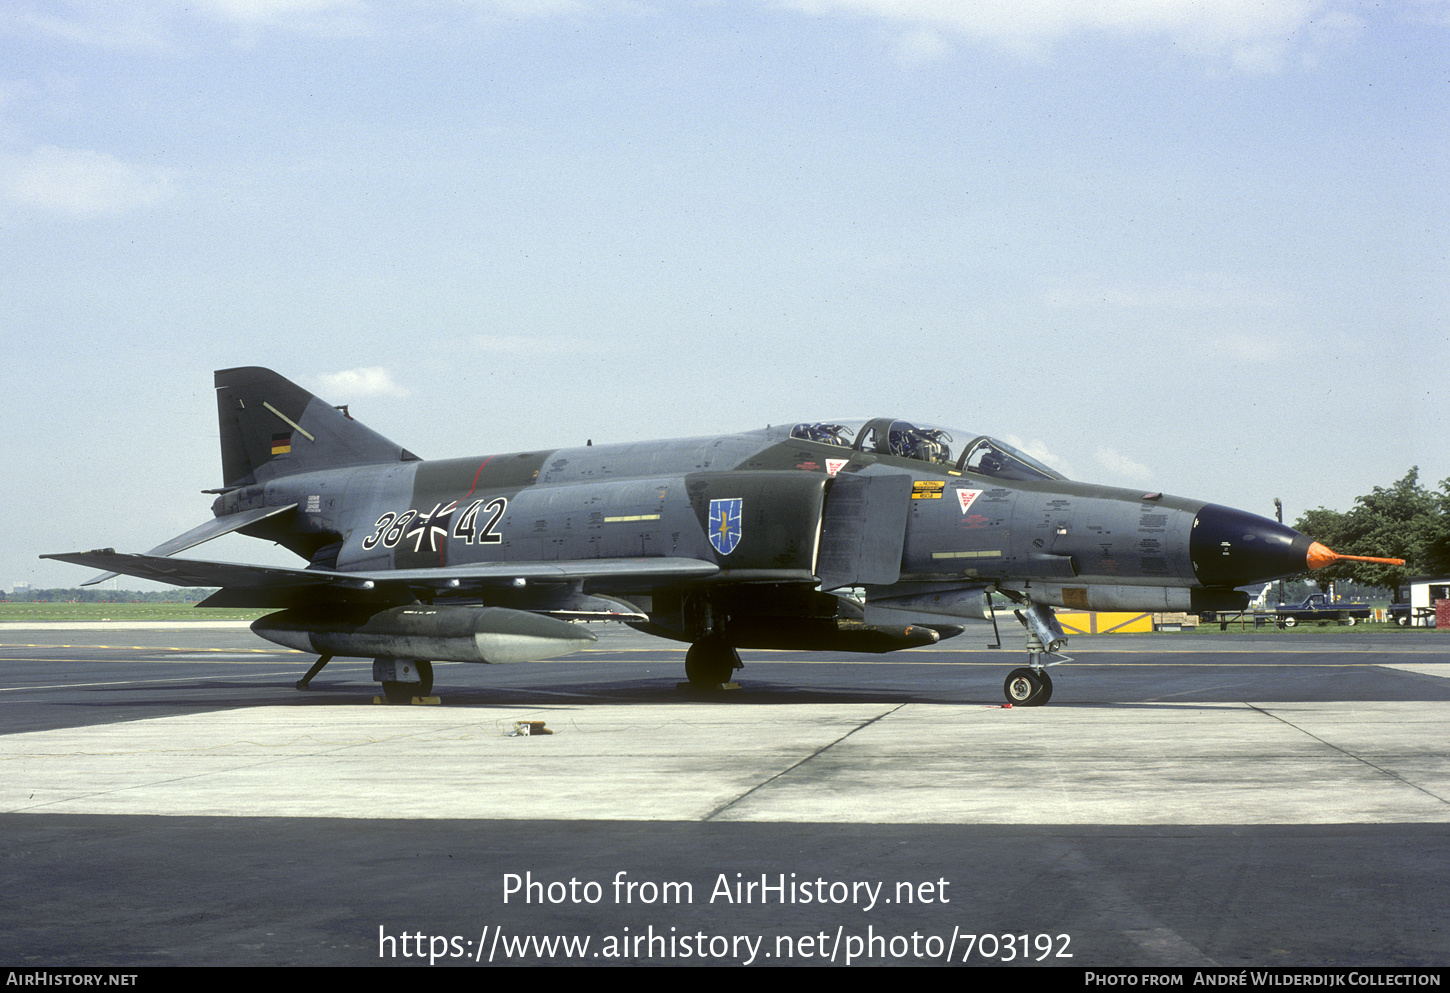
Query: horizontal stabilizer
point(190, 572)
point(214, 528)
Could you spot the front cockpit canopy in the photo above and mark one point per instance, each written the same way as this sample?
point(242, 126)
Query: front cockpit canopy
point(927, 443)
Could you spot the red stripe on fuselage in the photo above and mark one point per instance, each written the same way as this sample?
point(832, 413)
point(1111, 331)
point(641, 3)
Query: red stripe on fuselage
point(476, 474)
point(475, 477)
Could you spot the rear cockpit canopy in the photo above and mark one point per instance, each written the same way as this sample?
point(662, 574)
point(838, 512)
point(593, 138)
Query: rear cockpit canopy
point(927, 443)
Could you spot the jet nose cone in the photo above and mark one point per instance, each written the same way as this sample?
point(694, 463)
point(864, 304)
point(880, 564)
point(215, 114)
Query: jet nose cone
point(1233, 548)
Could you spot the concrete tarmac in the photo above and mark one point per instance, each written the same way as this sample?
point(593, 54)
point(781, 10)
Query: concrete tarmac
point(1236, 800)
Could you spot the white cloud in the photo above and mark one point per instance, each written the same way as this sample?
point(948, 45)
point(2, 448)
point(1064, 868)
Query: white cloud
point(81, 183)
point(1435, 12)
point(531, 8)
point(369, 381)
point(318, 18)
point(1038, 450)
point(1200, 292)
point(255, 11)
point(100, 25)
point(922, 45)
point(150, 25)
point(1252, 35)
point(1248, 347)
point(516, 344)
point(1248, 35)
point(1119, 464)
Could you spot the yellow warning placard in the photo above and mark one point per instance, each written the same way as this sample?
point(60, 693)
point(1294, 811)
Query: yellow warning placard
point(1104, 622)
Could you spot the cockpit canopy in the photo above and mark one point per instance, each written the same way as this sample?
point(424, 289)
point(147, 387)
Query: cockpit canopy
point(927, 443)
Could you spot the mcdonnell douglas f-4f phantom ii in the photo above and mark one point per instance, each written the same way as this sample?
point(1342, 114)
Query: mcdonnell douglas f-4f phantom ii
point(854, 537)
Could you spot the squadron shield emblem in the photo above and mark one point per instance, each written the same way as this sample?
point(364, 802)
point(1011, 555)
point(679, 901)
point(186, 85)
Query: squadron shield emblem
point(725, 524)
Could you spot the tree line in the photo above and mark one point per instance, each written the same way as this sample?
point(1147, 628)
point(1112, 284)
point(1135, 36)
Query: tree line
point(182, 595)
point(1403, 521)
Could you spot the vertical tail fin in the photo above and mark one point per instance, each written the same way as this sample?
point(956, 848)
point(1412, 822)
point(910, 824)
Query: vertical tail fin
point(272, 427)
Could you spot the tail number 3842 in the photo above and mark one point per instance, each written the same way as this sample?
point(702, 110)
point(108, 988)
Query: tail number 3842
point(392, 526)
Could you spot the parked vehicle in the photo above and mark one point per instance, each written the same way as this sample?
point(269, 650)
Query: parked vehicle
point(1319, 607)
point(1404, 613)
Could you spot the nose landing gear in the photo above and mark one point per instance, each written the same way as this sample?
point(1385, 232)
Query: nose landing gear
point(1031, 686)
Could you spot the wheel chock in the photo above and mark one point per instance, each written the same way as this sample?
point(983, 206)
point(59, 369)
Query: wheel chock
point(527, 729)
point(688, 687)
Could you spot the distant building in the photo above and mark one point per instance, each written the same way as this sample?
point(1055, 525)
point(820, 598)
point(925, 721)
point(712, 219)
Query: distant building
point(1425, 593)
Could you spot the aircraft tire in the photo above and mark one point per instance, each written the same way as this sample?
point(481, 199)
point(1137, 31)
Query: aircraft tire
point(1024, 688)
point(404, 692)
point(710, 662)
point(400, 692)
point(1046, 689)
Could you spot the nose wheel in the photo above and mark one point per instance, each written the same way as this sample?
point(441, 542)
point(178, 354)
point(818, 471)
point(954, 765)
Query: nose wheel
point(1028, 687)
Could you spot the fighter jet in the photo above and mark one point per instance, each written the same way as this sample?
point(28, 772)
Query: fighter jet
point(833, 536)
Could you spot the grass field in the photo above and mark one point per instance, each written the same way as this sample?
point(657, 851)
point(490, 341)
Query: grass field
point(121, 612)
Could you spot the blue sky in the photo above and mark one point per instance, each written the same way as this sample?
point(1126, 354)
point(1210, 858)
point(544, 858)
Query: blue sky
point(1194, 245)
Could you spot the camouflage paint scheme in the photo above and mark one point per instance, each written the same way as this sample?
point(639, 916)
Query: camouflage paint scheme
point(818, 535)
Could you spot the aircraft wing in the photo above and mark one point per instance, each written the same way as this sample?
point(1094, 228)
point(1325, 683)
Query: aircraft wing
point(214, 528)
point(387, 583)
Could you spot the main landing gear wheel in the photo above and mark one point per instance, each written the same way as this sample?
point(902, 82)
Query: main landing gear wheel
point(404, 692)
point(710, 663)
point(1027, 687)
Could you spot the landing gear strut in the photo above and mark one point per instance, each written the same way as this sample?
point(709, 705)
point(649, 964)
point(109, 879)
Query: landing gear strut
point(306, 680)
point(710, 662)
point(1031, 686)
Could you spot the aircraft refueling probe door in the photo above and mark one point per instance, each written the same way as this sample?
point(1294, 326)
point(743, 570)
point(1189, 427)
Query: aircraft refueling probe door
point(863, 530)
